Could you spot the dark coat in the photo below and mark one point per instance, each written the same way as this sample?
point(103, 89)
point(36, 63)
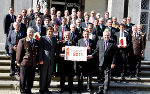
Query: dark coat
point(27, 52)
point(7, 21)
point(106, 57)
point(12, 39)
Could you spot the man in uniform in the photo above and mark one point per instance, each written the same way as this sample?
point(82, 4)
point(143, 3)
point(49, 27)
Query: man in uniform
point(137, 50)
point(27, 59)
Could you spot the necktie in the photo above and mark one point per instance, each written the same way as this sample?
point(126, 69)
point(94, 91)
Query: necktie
point(135, 35)
point(63, 29)
point(66, 42)
point(17, 38)
point(72, 35)
point(105, 45)
point(86, 43)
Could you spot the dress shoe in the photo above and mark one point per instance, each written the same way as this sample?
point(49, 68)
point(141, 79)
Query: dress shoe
point(137, 77)
point(122, 76)
point(49, 92)
point(89, 90)
point(12, 74)
point(100, 92)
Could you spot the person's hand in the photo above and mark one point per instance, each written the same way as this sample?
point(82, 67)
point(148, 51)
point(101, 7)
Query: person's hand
point(89, 56)
point(41, 62)
point(123, 46)
point(6, 35)
point(18, 64)
point(62, 55)
point(88, 48)
point(63, 48)
point(15, 48)
point(119, 46)
point(112, 66)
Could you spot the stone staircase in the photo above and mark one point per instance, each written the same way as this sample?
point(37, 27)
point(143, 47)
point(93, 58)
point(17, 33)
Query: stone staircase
point(12, 82)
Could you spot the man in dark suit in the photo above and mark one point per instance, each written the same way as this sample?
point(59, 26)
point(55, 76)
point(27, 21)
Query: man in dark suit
point(8, 19)
point(79, 27)
point(107, 55)
point(27, 60)
point(63, 27)
point(112, 30)
point(75, 36)
point(13, 38)
point(39, 28)
point(102, 27)
point(123, 50)
point(47, 50)
point(83, 68)
point(67, 67)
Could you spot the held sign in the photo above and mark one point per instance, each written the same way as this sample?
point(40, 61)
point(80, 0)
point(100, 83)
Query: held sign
point(75, 53)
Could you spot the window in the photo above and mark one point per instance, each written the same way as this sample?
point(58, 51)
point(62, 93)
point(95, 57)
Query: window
point(144, 19)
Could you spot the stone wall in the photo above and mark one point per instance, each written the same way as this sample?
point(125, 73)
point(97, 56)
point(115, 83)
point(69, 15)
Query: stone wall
point(97, 5)
point(4, 7)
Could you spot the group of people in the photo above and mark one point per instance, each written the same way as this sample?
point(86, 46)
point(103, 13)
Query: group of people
point(36, 39)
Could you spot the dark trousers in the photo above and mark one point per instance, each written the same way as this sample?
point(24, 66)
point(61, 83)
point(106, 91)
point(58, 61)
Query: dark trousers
point(67, 69)
point(12, 63)
point(136, 65)
point(103, 79)
point(6, 46)
point(84, 68)
point(27, 74)
point(45, 76)
point(123, 61)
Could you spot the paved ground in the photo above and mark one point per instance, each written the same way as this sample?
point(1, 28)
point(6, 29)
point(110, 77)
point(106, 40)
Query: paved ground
point(111, 91)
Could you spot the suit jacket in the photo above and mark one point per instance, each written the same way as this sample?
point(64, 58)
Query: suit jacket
point(32, 23)
point(84, 25)
point(80, 30)
point(106, 57)
point(128, 39)
point(43, 30)
point(66, 28)
point(113, 31)
point(22, 27)
point(75, 36)
point(47, 50)
point(12, 39)
point(81, 43)
point(7, 21)
point(137, 44)
point(27, 52)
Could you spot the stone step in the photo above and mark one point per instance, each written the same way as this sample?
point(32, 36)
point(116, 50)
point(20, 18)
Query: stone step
point(4, 69)
point(4, 57)
point(130, 85)
point(145, 62)
point(4, 62)
point(2, 52)
point(5, 76)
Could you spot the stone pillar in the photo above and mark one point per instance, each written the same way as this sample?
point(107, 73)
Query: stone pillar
point(35, 2)
point(116, 8)
point(4, 7)
point(97, 5)
point(22, 4)
point(134, 11)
